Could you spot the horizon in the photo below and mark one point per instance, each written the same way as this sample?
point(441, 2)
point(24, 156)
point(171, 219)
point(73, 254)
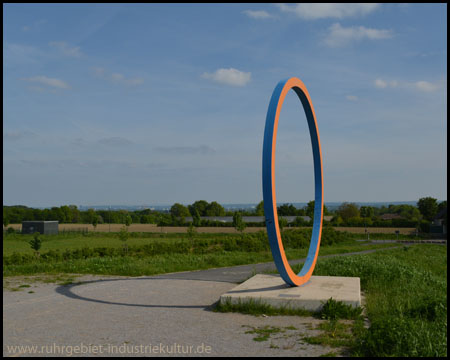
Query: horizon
point(164, 103)
point(226, 205)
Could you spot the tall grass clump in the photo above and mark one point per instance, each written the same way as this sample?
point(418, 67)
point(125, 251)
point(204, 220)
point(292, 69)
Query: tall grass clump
point(406, 295)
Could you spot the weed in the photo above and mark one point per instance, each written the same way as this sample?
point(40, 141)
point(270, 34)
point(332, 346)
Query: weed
point(263, 333)
point(329, 354)
point(333, 310)
point(335, 334)
point(258, 308)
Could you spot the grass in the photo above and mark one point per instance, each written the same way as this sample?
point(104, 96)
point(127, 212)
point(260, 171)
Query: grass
point(11, 283)
point(331, 310)
point(406, 288)
point(258, 308)
point(334, 333)
point(406, 303)
point(75, 240)
point(406, 295)
point(264, 333)
point(151, 254)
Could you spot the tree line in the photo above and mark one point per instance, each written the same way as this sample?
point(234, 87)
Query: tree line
point(348, 214)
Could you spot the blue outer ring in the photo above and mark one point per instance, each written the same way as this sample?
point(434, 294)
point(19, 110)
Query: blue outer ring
point(268, 188)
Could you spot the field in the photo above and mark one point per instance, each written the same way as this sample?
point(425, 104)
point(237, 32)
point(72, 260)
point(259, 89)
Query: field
point(406, 300)
point(405, 288)
point(155, 253)
point(210, 230)
point(405, 304)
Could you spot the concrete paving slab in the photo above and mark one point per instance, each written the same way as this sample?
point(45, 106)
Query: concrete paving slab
point(272, 290)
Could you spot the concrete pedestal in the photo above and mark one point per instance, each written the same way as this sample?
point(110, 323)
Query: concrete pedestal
point(271, 289)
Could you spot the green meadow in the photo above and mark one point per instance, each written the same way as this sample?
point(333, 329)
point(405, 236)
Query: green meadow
point(150, 254)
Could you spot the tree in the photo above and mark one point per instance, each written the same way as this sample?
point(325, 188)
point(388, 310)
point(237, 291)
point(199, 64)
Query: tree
point(123, 236)
point(238, 223)
point(299, 221)
point(196, 221)
point(36, 243)
point(337, 220)
point(76, 216)
point(128, 220)
point(287, 210)
point(95, 221)
point(259, 211)
point(348, 210)
point(428, 207)
point(282, 222)
point(200, 206)
point(67, 213)
point(366, 211)
point(214, 209)
point(309, 209)
point(164, 220)
point(57, 214)
point(442, 205)
point(179, 211)
point(91, 215)
point(5, 218)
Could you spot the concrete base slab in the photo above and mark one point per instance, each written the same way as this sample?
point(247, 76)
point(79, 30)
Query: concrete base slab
point(272, 290)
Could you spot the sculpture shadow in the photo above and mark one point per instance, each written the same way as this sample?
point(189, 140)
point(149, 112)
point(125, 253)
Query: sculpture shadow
point(67, 290)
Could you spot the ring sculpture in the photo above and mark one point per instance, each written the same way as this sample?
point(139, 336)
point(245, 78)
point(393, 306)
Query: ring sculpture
point(268, 177)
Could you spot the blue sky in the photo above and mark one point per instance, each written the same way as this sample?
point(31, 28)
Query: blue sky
point(164, 103)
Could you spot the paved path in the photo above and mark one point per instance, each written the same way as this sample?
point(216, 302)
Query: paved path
point(237, 274)
point(161, 315)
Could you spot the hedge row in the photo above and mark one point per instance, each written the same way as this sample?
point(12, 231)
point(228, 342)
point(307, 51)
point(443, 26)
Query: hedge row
point(292, 239)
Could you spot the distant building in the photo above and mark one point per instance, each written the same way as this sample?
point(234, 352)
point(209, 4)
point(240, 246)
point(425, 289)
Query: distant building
point(391, 217)
point(43, 227)
point(251, 219)
point(439, 223)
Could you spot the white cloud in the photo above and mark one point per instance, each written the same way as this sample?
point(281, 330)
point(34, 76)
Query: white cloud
point(393, 83)
point(352, 97)
point(257, 14)
point(121, 79)
point(229, 77)
point(34, 26)
point(66, 49)
point(310, 11)
point(422, 85)
point(341, 36)
point(52, 82)
point(116, 77)
point(426, 86)
point(381, 84)
point(18, 54)
point(134, 81)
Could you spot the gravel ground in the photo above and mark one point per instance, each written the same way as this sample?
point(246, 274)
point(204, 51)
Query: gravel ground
point(144, 316)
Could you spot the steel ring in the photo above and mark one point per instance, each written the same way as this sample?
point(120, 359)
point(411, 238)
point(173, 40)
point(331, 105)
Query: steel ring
point(268, 179)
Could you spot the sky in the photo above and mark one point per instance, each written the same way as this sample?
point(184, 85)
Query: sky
point(139, 104)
